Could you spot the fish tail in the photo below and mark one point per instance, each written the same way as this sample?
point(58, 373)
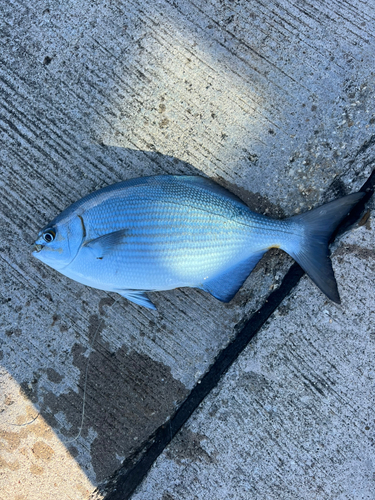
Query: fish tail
point(311, 250)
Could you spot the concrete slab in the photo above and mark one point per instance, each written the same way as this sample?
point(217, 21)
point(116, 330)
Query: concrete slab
point(273, 100)
point(294, 416)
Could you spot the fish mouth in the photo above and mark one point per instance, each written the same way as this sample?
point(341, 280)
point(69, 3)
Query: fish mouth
point(37, 247)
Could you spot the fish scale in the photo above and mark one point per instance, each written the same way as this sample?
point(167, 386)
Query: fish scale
point(164, 232)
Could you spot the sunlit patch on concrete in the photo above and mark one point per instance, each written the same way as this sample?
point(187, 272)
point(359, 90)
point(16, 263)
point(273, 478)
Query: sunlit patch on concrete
point(33, 461)
point(187, 103)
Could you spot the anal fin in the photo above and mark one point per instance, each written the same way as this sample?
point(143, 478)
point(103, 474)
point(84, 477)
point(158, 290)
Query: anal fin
point(137, 296)
point(225, 286)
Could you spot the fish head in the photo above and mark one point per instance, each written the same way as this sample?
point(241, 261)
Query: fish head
point(58, 243)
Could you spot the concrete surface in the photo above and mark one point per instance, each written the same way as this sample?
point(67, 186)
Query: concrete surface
point(275, 100)
point(294, 416)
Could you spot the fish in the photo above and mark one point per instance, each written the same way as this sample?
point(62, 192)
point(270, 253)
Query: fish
point(164, 232)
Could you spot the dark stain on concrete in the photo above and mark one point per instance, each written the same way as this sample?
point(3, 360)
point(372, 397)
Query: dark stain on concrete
point(54, 376)
point(55, 318)
point(283, 310)
point(358, 251)
point(271, 260)
point(254, 383)
point(167, 496)
point(47, 60)
point(73, 451)
point(96, 326)
point(128, 396)
point(29, 390)
point(13, 331)
point(187, 446)
point(337, 189)
point(366, 220)
point(63, 328)
point(255, 201)
point(105, 301)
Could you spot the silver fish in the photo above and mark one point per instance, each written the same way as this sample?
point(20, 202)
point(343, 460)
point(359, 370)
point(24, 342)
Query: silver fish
point(165, 232)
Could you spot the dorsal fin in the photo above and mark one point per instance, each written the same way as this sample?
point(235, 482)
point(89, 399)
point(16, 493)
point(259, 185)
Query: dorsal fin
point(209, 186)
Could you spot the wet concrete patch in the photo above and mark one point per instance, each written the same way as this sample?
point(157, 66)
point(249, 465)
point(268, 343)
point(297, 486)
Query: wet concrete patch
point(42, 450)
point(105, 301)
point(127, 396)
point(187, 447)
point(357, 250)
point(53, 375)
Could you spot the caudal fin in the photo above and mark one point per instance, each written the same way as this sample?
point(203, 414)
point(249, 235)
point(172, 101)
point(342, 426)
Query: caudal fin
point(312, 254)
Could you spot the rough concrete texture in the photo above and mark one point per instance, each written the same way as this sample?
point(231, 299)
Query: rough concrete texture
point(274, 99)
point(294, 416)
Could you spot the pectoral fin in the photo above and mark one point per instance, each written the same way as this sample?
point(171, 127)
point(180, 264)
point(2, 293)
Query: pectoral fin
point(137, 296)
point(225, 286)
point(107, 243)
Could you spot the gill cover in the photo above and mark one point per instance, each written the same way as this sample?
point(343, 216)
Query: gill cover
point(58, 243)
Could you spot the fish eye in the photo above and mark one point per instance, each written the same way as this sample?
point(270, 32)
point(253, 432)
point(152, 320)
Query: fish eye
point(49, 236)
